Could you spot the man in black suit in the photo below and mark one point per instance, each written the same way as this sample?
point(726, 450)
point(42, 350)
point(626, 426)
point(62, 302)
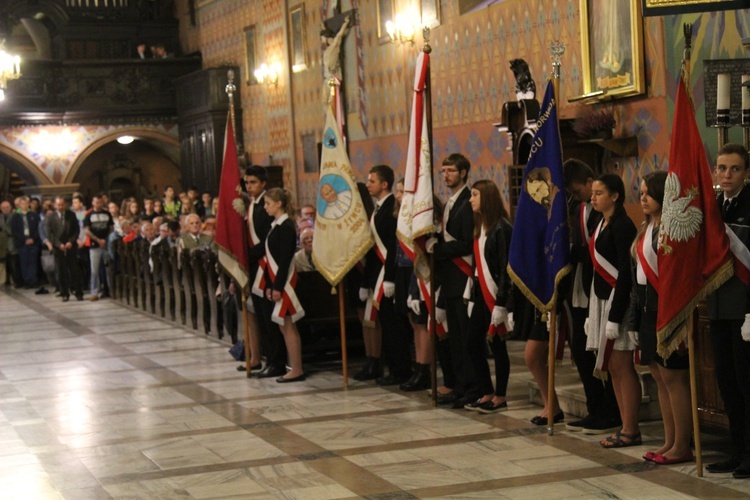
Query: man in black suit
point(62, 232)
point(380, 273)
point(453, 256)
point(264, 334)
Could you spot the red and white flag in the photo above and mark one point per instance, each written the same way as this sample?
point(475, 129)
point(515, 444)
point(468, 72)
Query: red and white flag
point(415, 218)
point(230, 223)
point(692, 235)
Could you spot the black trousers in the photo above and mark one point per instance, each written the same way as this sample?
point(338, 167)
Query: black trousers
point(458, 343)
point(271, 339)
point(395, 339)
point(600, 396)
point(68, 272)
point(477, 352)
point(732, 368)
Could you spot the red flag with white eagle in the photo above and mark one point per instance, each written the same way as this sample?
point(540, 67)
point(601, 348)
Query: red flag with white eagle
point(692, 234)
point(230, 223)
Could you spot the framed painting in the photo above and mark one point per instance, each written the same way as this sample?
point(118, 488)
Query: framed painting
point(430, 12)
point(251, 56)
point(385, 14)
point(612, 48)
point(297, 37)
point(666, 7)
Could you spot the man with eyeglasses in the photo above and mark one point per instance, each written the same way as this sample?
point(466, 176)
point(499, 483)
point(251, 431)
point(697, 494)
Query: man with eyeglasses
point(729, 312)
point(453, 255)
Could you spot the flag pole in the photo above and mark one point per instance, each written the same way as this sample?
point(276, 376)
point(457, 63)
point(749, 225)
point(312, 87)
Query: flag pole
point(333, 97)
point(556, 50)
point(687, 30)
point(427, 49)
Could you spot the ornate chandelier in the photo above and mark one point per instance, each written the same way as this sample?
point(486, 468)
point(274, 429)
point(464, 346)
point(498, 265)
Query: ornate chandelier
point(10, 69)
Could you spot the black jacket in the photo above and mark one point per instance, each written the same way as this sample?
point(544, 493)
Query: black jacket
point(613, 244)
point(579, 251)
point(732, 299)
point(16, 228)
point(496, 250)
point(282, 244)
point(262, 224)
point(460, 225)
point(385, 226)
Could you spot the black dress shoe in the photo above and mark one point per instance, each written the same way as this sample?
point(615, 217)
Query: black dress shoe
point(392, 379)
point(366, 372)
point(79, 297)
point(459, 403)
point(538, 420)
point(298, 378)
point(421, 380)
point(446, 399)
point(253, 368)
point(270, 371)
point(65, 298)
point(728, 465)
point(743, 471)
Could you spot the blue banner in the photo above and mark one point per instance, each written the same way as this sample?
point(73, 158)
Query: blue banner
point(540, 249)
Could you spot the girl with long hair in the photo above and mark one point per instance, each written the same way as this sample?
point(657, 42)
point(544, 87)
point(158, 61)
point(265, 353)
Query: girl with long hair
point(280, 277)
point(490, 293)
point(671, 375)
point(610, 297)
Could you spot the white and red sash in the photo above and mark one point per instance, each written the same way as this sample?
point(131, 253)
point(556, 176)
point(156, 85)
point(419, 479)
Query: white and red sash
point(601, 265)
point(579, 298)
point(373, 302)
point(741, 256)
point(584, 214)
point(289, 304)
point(606, 270)
point(486, 283)
point(441, 328)
point(647, 269)
point(253, 240)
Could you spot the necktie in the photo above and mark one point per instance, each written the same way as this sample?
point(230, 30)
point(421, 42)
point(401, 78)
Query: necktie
point(725, 207)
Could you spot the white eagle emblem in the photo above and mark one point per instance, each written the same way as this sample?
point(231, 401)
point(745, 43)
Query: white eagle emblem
point(237, 203)
point(679, 221)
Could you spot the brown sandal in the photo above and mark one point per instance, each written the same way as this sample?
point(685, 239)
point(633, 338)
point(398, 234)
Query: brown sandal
point(616, 441)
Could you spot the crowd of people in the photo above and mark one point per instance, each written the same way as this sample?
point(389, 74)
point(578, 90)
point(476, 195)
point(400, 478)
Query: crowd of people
point(612, 292)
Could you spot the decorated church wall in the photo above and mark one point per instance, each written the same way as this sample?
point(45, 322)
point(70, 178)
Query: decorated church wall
point(470, 74)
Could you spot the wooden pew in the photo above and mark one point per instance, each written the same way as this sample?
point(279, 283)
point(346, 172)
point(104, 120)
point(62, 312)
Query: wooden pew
point(188, 287)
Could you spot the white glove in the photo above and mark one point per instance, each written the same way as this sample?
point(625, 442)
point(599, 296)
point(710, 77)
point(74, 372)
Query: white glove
point(440, 316)
point(430, 244)
point(586, 327)
point(470, 309)
point(612, 330)
point(633, 337)
point(745, 330)
point(413, 304)
point(499, 315)
point(364, 294)
point(511, 322)
point(389, 288)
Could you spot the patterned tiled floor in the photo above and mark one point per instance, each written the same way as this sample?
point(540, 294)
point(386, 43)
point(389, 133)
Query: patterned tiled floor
point(100, 401)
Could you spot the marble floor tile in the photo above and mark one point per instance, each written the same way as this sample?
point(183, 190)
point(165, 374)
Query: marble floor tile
point(98, 400)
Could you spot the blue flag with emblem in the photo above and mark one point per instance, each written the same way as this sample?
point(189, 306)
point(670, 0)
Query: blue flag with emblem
point(540, 247)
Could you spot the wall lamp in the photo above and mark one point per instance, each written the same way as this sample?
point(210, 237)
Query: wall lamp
point(268, 74)
point(404, 29)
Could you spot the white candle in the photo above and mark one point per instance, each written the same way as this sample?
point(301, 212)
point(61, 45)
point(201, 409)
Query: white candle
point(722, 91)
point(745, 93)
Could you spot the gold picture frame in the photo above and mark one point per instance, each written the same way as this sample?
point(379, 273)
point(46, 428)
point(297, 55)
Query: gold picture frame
point(386, 12)
point(612, 48)
point(251, 55)
point(297, 38)
point(666, 7)
point(430, 12)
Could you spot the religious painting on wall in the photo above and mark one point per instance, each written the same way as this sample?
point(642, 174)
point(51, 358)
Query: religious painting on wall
point(666, 7)
point(468, 6)
point(385, 14)
point(430, 11)
point(250, 56)
point(612, 48)
point(297, 37)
